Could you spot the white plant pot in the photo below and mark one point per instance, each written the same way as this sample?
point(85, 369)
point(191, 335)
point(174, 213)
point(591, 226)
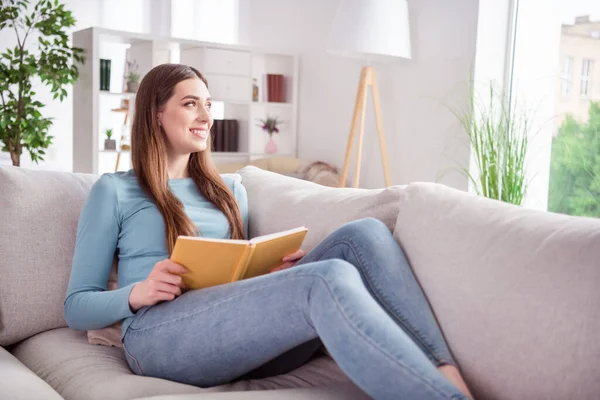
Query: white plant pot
point(5, 158)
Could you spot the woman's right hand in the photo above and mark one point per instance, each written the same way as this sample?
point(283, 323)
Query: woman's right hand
point(161, 284)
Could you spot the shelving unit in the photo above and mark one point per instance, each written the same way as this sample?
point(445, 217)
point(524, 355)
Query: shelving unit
point(229, 70)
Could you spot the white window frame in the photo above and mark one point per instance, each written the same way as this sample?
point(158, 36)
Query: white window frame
point(587, 70)
point(567, 83)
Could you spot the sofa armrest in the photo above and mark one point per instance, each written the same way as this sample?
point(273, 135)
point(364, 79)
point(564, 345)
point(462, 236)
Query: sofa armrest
point(17, 382)
point(515, 291)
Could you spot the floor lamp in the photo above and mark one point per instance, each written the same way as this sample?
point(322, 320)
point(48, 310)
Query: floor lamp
point(373, 30)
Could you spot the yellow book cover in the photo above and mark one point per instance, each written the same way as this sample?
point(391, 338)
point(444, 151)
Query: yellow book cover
point(212, 262)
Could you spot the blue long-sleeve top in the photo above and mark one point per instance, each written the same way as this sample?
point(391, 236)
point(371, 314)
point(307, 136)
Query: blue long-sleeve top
point(118, 217)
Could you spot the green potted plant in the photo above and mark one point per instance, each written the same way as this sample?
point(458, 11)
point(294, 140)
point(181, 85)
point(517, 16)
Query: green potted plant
point(49, 59)
point(498, 130)
point(109, 143)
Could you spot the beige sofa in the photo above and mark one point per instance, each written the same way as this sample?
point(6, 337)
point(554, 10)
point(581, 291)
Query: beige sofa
point(515, 290)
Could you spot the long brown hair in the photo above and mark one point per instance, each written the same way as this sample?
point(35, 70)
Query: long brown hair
point(149, 151)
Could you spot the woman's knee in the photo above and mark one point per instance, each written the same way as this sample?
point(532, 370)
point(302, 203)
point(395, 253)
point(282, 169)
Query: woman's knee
point(336, 270)
point(365, 228)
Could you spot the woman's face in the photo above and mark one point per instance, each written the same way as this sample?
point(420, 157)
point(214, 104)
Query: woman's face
point(186, 118)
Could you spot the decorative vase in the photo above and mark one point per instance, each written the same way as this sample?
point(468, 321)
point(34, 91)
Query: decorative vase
point(271, 147)
point(254, 90)
point(132, 87)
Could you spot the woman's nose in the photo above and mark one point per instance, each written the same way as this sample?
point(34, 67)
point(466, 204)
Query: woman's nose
point(203, 114)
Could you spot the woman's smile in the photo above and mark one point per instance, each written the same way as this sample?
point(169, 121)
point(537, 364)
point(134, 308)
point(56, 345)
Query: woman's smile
point(202, 133)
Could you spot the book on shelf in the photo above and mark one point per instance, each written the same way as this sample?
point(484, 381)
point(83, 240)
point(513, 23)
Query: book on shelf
point(225, 135)
point(105, 74)
point(230, 134)
point(102, 67)
point(212, 262)
point(275, 88)
point(216, 135)
point(107, 78)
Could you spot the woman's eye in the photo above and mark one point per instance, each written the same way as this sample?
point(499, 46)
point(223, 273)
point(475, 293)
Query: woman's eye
point(193, 103)
point(209, 105)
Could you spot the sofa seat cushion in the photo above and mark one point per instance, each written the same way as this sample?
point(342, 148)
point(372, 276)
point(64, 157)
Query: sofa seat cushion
point(515, 291)
point(17, 382)
point(277, 202)
point(335, 391)
point(79, 370)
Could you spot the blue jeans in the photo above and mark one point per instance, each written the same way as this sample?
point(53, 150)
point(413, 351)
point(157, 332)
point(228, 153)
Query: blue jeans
point(355, 292)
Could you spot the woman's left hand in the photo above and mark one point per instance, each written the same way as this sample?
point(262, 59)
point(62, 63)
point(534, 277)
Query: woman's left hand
point(289, 261)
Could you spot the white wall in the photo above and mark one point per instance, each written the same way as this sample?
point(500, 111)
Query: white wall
point(423, 137)
point(492, 41)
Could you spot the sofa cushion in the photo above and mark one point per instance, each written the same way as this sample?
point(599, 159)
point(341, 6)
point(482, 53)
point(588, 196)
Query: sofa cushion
point(79, 370)
point(38, 212)
point(515, 291)
point(277, 202)
point(17, 382)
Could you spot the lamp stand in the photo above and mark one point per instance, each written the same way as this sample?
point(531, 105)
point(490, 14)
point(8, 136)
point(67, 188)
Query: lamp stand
point(367, 79)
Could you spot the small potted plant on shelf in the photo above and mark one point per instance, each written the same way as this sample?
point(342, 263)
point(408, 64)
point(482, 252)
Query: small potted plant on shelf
point(133, 77)
point(133, 81)
point(271, 126)
point(109, 144)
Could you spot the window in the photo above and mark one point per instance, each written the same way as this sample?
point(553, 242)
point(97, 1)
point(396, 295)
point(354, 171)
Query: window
point(556, 44)
point(566, 76)
point(587, 69)
point(207, 20)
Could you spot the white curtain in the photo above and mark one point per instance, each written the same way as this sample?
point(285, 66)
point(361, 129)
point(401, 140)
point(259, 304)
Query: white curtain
point(206, 20)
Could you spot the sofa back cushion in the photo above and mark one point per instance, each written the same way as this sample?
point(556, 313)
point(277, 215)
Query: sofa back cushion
point(277, 202)
point(38, 222)
point(39, 211)
point(515, 291)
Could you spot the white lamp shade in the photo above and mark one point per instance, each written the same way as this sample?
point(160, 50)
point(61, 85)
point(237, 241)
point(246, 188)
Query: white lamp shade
point(371, 29)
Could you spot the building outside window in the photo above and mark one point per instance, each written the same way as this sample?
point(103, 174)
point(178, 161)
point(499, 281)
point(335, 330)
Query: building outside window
point(574, 186)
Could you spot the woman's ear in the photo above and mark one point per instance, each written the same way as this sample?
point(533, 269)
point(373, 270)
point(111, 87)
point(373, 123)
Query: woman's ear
point(160, 118)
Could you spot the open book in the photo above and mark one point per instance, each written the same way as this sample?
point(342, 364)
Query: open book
point(212, 262)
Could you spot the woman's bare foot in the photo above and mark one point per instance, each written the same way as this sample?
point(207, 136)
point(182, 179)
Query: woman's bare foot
point(454, 376)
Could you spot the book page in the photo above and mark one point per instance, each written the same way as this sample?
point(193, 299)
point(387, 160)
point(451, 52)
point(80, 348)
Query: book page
point(271, 236)
point(268, 253)
point(214, 240)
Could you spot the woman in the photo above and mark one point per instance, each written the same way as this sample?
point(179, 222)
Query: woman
point(355, 292)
